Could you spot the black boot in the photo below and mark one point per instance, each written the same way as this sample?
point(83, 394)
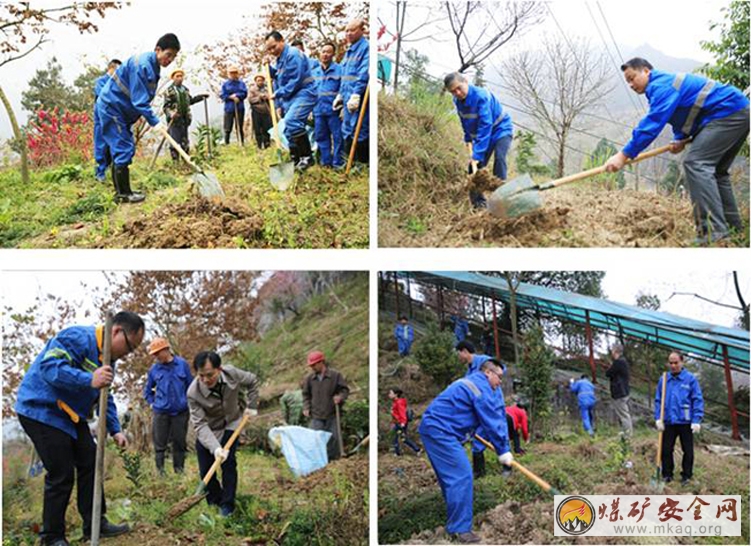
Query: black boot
point(122, 184)
point(362, 151)
point(107, 529)
point(306, 153)
point(478, 464)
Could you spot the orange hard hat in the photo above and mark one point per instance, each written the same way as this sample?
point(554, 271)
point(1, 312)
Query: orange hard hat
point(315, 357)
point(157, 344)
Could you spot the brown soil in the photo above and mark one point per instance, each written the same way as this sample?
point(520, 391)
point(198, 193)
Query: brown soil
point(199, 223)
point(483, 181)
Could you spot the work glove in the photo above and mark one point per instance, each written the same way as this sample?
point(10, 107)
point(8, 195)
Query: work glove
point(472, 167)
point(353, 104)
point(506, 458)
point(221, 454)
point(660, 425)
point(571, 381)
point(338, 103)
point(695, 428)
point(250, 412)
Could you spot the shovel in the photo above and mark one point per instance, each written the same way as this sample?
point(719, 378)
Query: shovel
point(357, 129)
point(208, 127)
point(339, 430)
point(101, 437)
point(208, 184)
point(657, 480)
point(178, 509)
point(522, 195)
point(545, 486)
point(281, 173)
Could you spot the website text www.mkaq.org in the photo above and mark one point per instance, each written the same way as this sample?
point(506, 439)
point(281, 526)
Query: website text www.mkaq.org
point(667, 529)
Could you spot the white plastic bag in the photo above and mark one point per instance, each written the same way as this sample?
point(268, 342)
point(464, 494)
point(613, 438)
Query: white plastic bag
point(303, 448)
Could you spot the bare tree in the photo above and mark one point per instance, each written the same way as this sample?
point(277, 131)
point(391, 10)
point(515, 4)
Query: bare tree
point(557, 84)
point(480, 28)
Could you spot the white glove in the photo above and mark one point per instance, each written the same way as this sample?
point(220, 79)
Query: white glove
point(337, 104)
point(250, 412)
point(660, 425)
point(353, 103)
point(571, 381)
point(221, 453)
point(506, 458)
point(695, 428)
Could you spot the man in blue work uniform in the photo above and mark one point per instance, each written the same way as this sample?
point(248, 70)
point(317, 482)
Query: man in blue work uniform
point(126, 97)
point(355, 78)
point(461, 328)
point(405, 335)
point(312, 62)
point(715, 116)
point(166, 392)
point(100, 156)
point(56, 396)
point(684, 411)
point(233, 93)
point(450, 420)
point(585, 395)
point(465, 351)
point(328, 76)
point(296, 89)
point(487, 128)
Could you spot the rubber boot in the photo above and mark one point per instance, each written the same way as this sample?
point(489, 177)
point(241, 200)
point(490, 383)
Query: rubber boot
point(305, 152)
point(122, 183)
point(362, 152)
point(478, 464)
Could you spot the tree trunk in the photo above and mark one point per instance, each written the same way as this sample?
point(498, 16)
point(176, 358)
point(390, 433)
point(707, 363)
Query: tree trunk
point(561, 155)
point(18, 136)
point(399, 27)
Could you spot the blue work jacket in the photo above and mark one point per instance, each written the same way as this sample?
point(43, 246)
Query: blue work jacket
point(477, 361)
point(465, 405)
point(483, 119)
point(684, 402)
point(166, 388)
point(328, 82)
point(234, 87)
point(291, 74)
point(63, 371)
point(355, 70)
point(132, 87)
point(584, 391)
point(404, 332)
point(99, 84)
point(687, 102)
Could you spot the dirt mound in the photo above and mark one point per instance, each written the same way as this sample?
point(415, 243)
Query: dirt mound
point(483, 181)
point(523, 231)
point(199, 223)
point(354, 469)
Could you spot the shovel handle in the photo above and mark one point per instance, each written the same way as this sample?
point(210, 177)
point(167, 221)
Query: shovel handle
point(227, 446)
point(528, 473)
point(177, 147)
point(601, 169)
point(357, 129)
point(273, 107)
point(662, 418)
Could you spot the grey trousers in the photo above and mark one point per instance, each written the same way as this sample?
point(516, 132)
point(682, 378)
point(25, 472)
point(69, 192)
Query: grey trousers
point(329, 425)
point(707, 163)
point(624, 415)
point(168, 428)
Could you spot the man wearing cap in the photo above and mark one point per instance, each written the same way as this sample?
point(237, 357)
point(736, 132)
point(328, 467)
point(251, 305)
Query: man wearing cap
point(177, 103)
point(295, 89)
point(258, 96)
point(125, 98)
point(323, 388)
point(234, 92)
point(166, 392)
point(57, 395)
point(215, 413)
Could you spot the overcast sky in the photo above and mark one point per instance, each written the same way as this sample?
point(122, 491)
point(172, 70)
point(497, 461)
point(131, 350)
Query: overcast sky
point(667, 25)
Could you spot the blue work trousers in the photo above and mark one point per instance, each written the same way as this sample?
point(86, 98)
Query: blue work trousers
point(328, 135)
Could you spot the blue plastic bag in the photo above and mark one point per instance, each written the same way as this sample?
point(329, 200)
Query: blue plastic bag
point(303, 448)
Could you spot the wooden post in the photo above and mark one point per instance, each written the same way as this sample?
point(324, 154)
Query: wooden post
point(440, 305)
point(590, 344)
point(495, 331)
point(396, 292)
point(101, 437)
point(731, 401)
point(409, 296)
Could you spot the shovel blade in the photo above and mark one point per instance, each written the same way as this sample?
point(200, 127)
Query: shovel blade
point(281, 175)
point(208, 185)
point(514, 186)
point(515, 205)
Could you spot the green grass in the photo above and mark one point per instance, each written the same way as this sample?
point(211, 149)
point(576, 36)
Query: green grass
point(325, 209)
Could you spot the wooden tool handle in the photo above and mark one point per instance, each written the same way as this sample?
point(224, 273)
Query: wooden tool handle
point(357, 129)
point(273, 107)
point(662, 418)
point(601, 169)
point(227, 446)
point(528, 473)
point(177, 147)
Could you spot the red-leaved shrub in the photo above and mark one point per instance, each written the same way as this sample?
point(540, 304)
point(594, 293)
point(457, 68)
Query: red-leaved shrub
point(53, 139)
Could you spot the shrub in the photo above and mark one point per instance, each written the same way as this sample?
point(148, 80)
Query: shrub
point(537, 370)
point(53, 138)
point(435, 356)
